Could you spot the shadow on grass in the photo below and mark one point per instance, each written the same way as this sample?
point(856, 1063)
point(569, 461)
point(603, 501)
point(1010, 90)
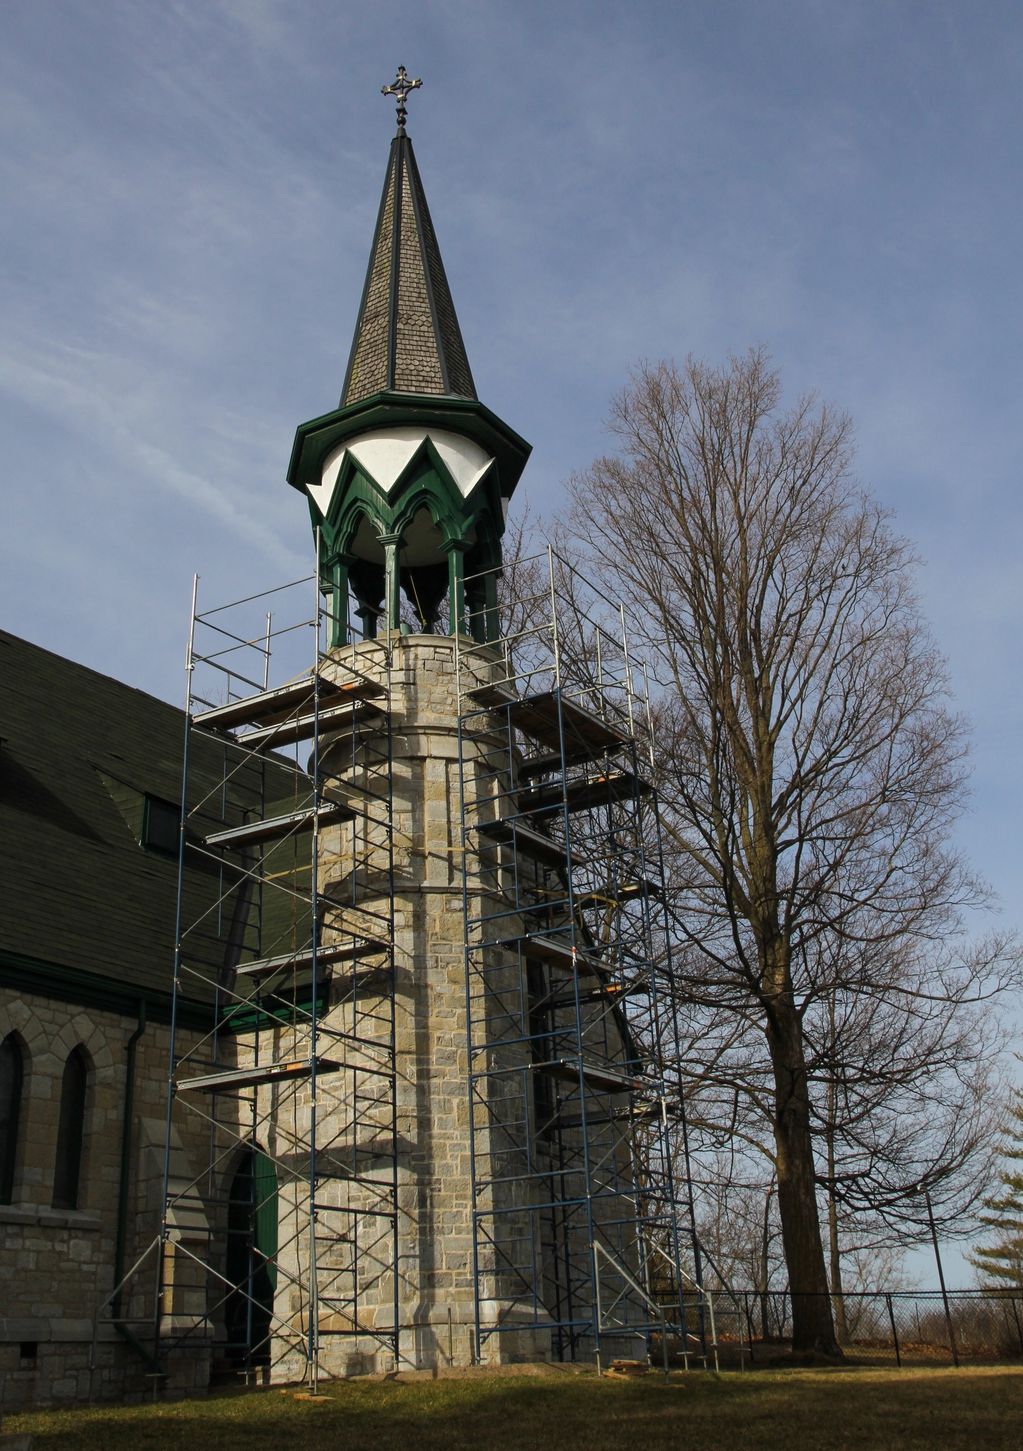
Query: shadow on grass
point(819, 1410)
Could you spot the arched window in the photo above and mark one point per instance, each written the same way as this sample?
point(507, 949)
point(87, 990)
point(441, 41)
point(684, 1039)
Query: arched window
point(12, 1078)
point(67, 1170)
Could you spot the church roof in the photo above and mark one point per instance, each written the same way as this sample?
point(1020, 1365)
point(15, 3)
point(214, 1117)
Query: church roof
point(407, 338)
point(78, 756)
point(86, 898)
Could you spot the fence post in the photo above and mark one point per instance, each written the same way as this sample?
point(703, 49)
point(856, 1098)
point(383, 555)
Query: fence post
point(749, 1323)
point(895, 1333)
point(941, 1281)
point(1015, 1316)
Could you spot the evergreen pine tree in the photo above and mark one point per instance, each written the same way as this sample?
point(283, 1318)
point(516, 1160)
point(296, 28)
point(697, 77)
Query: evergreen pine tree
point(1000, 1262)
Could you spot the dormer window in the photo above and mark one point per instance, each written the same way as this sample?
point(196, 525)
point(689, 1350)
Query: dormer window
point(161, 821)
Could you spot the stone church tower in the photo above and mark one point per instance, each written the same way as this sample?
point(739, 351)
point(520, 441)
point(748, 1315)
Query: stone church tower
point(435, 1074)
point(408, 482)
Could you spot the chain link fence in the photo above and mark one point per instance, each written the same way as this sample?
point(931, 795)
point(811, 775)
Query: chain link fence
point(906, 1327)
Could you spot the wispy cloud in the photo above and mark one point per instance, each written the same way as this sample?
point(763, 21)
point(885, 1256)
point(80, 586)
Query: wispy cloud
point(190, 192)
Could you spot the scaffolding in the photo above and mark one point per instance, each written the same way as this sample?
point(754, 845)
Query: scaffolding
point(279, 1226)
point(292, 1241)
point(580, 1226)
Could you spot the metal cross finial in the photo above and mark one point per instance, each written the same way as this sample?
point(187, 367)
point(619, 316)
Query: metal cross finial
point(400, 89)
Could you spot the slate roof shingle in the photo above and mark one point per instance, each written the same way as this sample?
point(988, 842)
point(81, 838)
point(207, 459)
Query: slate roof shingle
point(79, 752)
point(407, 338)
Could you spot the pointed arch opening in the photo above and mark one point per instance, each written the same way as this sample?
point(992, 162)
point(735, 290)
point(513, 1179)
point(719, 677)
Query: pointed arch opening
point(424, 568)
point(67, 1168)
point(12, 1085)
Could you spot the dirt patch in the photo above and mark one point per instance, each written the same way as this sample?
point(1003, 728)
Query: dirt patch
point(534, 1368)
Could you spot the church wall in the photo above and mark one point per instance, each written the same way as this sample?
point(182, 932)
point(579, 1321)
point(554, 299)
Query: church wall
point(57, 1264)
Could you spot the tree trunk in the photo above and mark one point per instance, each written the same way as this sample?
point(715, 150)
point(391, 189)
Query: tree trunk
point(812, 1325)
point(834, 1252)
point(765, 1264)
point(835, 1255)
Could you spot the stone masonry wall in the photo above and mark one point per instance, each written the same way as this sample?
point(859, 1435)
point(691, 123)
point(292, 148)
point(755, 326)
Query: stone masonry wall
point(435, 1286)
point(57, 1265)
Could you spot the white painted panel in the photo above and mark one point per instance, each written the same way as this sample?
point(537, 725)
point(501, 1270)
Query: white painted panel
point(323, 492)
point(465, 460)
point(385, 454)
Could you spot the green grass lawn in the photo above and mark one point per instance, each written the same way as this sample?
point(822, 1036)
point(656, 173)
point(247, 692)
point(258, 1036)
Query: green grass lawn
point(806, 1410)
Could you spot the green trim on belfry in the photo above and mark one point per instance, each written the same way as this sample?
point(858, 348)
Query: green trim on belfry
point(315, 439)
point(89, 990)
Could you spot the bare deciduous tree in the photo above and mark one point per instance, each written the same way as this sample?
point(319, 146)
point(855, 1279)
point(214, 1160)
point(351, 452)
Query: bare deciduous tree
point(811, 767)
point(903, 1054)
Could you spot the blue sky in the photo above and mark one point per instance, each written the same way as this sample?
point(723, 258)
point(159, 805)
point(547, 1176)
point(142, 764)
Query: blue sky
point(190, 188)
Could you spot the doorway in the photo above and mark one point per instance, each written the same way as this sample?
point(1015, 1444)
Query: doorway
point(251, 1254)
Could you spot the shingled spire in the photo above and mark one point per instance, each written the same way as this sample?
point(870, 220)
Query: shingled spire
point(407, 338)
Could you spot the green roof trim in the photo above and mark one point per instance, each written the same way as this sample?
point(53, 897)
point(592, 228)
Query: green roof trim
point(316, 438)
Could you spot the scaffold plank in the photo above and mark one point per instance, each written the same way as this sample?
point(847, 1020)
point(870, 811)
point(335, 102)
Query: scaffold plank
point(531, 843)
point(269, 706)
point(607, 993)
point(256, 1075)
point(584, 793)
point(644, 1112)
point(597, 1077)
point(553, 762)
point(350, 715)
point(615, 896)
point(327, 956)
point(554, 720)
point(550, 949)
point(271, 828)
point(495, 694)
